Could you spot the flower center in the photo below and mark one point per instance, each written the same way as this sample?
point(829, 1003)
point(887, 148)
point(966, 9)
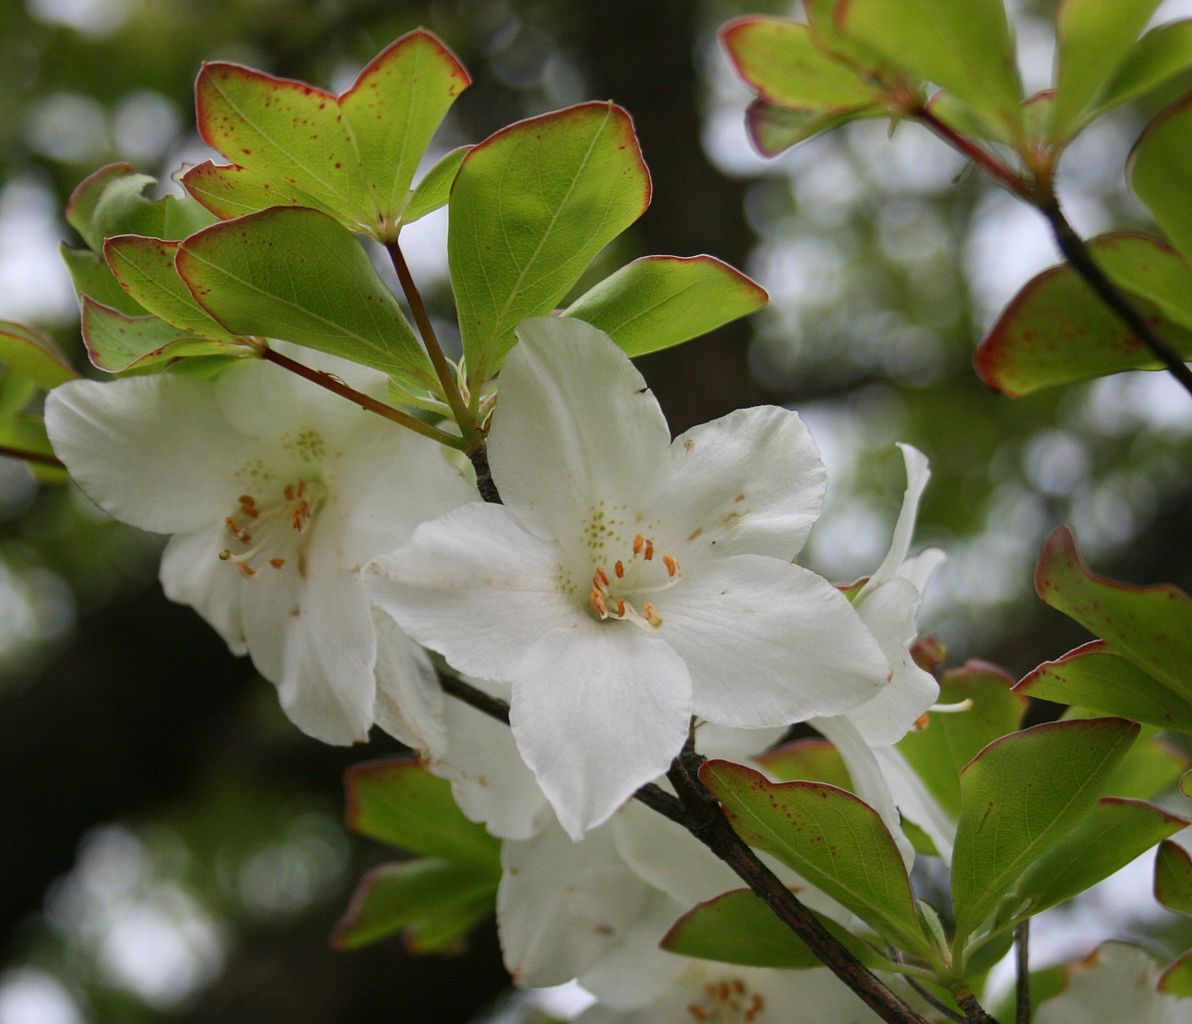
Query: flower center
point(272, 533)
point(727, 1002)
point(615, 595)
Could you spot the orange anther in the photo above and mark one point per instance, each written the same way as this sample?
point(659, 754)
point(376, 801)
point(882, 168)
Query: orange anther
point(232, 525)
point(672, 566)
point(599, 603)
point(277, 563)
point(697, 1013)
point(738, 986)
point(639, 542)
point(601, 577)
point(246, 570)
point(620, 607)
point(246, 499)
point(619, 569)
point(244, 536)
point(289, 492)
point(651, 614)
point(302, 488)
point(649, 550)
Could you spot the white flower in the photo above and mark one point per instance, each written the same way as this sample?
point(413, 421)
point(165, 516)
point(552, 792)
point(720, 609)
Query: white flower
point(629, 582)
point(276, 492)
point(888, 604)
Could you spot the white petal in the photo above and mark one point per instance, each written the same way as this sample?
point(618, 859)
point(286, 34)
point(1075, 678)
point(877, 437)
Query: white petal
point(889, 612)
point(917, 475)
point(597, 711)
point(409, 701)
point(918, 571)
point(475, 587)
point(575, 424)
point(868, 781)
point(914, 800)
point(151, 451)
point(750, 482)
point(769, 643)
point(1119, 982)
point(192, 573)
point(713, 740)
point(312, 635)
point(489, 780)
point(562, 905)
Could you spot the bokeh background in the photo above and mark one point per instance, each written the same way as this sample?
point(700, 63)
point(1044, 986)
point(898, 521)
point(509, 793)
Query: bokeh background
point(171, 848)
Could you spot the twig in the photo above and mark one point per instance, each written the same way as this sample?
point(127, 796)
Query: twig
point(990, 164)
point(1022, 958)
point(38, 457)
point(974, 1012)
point(367, 402)
point(936, 1004)
point(1074, 248)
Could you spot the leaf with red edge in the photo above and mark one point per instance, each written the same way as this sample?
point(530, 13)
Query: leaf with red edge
point(1160, 167)
point(117, 342)
point(34, 354)
point(1173, 877)
point(810, 760)
point(1094, 677)
point(773, 130)
point(778, 58)
point(1057, 330)
point(352, 156)
point(1177, 979)
point(399, 802)
point(433, 904)
point(738, 928)
point(830, 837)
point(949, 740)
point(1149, 625)
point(531, 207)
point(657, 302)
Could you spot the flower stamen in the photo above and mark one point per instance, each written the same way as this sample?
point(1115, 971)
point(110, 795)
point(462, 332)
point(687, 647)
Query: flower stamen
point(295, 511)
point(614, 599)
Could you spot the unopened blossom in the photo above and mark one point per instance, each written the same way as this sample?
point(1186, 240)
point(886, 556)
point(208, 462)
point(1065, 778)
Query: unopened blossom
point(275, 492)
point(629, 581)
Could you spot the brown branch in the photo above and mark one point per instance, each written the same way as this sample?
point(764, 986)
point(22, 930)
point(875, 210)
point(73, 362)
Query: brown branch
point(1022, 988)
point(484, 475)
point(1074, 248)
point(974, 1012)
point(366, 402)
point(706, 821)
point(990, 164)
point(38, 457)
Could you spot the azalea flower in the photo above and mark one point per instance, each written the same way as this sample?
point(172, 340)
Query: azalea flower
point(629, 581)
point(888, 604)
point(275, 492)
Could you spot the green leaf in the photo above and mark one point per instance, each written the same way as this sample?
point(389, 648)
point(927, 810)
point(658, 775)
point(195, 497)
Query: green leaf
point(1152, 767)
point(27, 433)
point(531, 207)
point(434, 903)
point(738, 928)
point(1160, 167)
point(809, 760)
point(297, 274)
point(1161, 54)
point(111, 202)
point(352, 156)
point(1177, 979)
point(938, 751)
point(831, 838)
point(773, 130)
point(1057, 330)
point(146, 269)
point(1019, 797)
point(1113, 834)
point(1173, 877)
point(117, 343)
point(1151, 626)
point(657, 302)
point(964, 47)
point(434, 190)
point(92, 276)
point(1093, 39)
point(399, 802)
point(1096, 678)
point(33, 353)
point(778, 58)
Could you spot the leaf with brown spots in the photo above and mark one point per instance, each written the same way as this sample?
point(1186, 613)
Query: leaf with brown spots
point(1151, 626)
point(352, 156)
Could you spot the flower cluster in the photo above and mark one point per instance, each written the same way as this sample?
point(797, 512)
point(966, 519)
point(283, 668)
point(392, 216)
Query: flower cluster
point(629, 592)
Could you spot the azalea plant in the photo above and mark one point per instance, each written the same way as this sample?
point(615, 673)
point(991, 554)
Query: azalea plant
point(595, 638)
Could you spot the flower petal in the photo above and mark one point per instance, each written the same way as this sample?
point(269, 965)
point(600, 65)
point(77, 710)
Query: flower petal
point(769, 643)
point(192, 573)
point(151, 451)
point(917, 475)
point(312, 635)
point(750, 482)
point(409, 701)
point(575, 425)
point(597, 711)
point(476, 587)
point(562, 905)
point(914, 800)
